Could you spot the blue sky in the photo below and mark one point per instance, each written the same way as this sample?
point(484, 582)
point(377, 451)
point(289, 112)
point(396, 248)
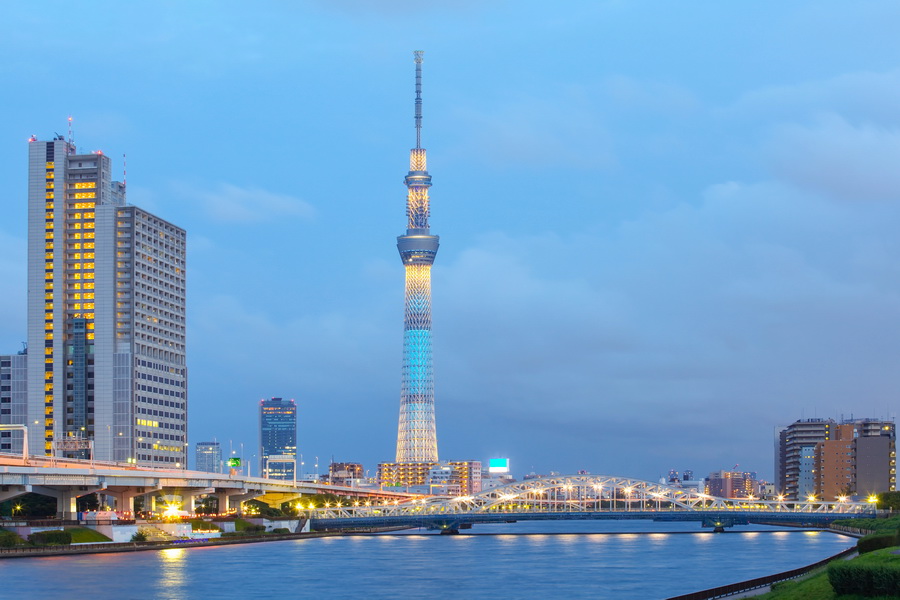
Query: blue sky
point(665, 227)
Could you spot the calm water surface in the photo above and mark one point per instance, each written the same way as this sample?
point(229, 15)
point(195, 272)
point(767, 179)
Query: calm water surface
point(598, 560)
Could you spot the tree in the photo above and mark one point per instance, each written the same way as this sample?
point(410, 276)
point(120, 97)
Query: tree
point(31, 506)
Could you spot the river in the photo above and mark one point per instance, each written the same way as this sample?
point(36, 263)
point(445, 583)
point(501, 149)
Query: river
point(530, 560)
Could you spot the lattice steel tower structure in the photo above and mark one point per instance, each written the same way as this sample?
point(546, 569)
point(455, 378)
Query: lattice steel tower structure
point(416, 437)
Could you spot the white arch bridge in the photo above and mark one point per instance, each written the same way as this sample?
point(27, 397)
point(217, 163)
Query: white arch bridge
point(580, 497)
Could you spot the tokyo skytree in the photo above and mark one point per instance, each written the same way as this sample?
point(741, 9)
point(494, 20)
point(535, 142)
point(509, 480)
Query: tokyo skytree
point(416, 436)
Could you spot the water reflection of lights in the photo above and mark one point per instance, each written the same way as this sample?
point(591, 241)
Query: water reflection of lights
point(173, 567)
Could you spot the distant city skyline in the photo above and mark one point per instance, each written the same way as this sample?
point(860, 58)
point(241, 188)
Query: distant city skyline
point(672, 227)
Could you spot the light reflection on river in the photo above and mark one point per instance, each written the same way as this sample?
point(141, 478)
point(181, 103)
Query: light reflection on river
point(578, 560)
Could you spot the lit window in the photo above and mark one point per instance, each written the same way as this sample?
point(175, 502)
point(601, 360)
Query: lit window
point(81, 195)
point(85, 185)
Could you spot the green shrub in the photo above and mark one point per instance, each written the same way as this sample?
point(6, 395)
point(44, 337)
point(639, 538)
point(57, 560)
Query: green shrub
point(889, 524)
point(51, 538)
point(877, 541)
point(8, 539)
point(852, 577)
point(139, 536)
point(251, 528)
point(281, 530)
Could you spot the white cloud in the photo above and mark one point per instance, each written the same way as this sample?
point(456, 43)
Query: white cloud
point(836, 158)
point(225, 202)
point(860, 96)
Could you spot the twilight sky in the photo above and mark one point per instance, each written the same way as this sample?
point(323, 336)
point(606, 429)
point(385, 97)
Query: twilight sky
point(666, 227)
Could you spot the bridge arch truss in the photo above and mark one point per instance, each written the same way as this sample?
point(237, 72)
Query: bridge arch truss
point(584, 494)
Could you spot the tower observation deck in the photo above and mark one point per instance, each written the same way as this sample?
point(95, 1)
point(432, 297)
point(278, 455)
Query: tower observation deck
point(416, 436)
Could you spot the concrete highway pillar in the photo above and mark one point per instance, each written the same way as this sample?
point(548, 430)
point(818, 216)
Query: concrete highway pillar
point(124, 499)
point(66, 507)
point(222, 501)
point(150, 503)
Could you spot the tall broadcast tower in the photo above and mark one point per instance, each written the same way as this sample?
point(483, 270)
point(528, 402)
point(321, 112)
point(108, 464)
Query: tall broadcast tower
point(416, 437)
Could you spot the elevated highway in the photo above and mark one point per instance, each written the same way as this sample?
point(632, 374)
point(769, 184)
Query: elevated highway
point(68, 479)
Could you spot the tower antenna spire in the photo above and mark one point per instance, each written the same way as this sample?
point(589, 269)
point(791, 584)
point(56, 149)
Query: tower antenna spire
point(418, 58)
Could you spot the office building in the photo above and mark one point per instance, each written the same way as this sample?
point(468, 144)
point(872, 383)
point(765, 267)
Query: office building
point(278, 438)
point(417, 436)
point(13, 399)
point(208, 457)
point(106, 316)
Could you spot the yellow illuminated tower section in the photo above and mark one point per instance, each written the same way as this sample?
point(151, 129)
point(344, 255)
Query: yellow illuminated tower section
point(416, 437)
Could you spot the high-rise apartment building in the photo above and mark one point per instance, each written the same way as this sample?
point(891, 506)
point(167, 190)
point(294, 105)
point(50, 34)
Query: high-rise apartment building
point(826, 459)
point(860, 460)
point(278, 438)
point(106, 316)
point(208, 457)
point(13, 398)
point(796, 456)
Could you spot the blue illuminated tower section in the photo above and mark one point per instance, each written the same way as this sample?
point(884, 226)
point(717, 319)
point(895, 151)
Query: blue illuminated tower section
point(417, 438)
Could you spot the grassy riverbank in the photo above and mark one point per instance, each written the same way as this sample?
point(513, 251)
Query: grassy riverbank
point(817, 586)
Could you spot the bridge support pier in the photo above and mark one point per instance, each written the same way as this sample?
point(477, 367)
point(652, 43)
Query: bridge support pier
point(229, 499)
point(124, 498)
point(66, 498)
point(66, 504)
point(449, 531)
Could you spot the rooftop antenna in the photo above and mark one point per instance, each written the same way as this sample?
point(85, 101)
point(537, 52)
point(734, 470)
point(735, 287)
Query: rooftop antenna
point(124, 170)
point(418, 58)
point(71, 140)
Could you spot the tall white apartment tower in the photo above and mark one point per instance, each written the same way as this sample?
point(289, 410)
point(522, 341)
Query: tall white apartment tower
point(106, 316)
